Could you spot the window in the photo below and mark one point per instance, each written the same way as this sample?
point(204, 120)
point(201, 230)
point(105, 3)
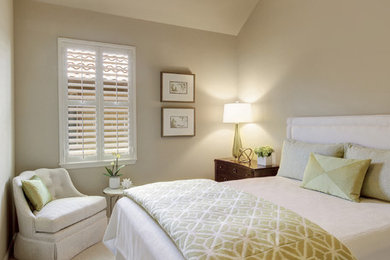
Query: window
point(96, 103)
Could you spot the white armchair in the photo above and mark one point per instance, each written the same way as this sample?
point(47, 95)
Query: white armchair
point(64, 227)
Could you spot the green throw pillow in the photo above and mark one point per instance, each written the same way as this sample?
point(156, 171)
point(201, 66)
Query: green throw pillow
point(36, 192)
point(377, 181)
point(295, 155)
point(336, 176)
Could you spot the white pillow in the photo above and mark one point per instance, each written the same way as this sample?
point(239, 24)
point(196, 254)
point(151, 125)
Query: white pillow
point(295, 155)
point(377, 181)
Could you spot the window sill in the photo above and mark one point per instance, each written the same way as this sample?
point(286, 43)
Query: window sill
point(80, 165)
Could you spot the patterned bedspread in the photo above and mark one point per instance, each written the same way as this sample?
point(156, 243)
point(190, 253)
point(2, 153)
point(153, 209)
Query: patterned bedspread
point(209, 220)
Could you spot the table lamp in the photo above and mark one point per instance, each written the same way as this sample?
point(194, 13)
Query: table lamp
point(237, 113)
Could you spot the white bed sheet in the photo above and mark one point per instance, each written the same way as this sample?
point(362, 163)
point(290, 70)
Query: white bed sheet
point(364, 227)
point(132, 234)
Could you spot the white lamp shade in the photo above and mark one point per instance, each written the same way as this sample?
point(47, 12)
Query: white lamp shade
point(237, 113)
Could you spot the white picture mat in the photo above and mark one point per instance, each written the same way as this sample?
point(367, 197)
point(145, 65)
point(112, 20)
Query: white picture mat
point(170, 112)
point(166, 96)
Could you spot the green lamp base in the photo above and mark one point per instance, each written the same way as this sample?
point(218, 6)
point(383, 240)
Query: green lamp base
point(237, 145)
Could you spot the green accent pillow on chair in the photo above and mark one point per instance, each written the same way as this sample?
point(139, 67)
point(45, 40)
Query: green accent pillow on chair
point(36, 192)
point(335, 176)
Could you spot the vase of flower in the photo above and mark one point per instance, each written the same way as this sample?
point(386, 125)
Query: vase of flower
point(264, 157)
point(114, 182)
point(264, 161)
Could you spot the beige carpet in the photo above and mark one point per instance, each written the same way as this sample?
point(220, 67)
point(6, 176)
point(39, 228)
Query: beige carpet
point(95, 252)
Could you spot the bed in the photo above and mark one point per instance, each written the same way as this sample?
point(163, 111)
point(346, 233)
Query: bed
point(363, 227)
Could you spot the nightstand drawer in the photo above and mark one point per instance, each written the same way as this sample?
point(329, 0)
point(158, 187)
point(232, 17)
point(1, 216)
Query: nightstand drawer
point(233, 170)
point(266, 172)
point(228, 169)
point(224, 177)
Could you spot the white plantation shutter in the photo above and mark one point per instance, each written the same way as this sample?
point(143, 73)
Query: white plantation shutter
point(97, 103)
point(116, 77)
point(81, 74)
point(82, 131)
point(116, 103)
point(116, 130)
point(81, 88)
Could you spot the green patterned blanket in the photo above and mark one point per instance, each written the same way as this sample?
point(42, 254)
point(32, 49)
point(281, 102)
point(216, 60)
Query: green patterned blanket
point(209, 220)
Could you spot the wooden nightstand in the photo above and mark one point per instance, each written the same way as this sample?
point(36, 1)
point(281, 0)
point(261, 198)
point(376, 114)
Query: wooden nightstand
point(228, 169)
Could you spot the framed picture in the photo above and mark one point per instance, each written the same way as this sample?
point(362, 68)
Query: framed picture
point(177, 87)
point(177, 121)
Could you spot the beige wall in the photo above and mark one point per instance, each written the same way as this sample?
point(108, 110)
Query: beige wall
point(211, 56)
point(313, 58)
point(295, 58)
point(6, 122)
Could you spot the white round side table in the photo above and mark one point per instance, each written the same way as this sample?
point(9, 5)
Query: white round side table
point(112, 196)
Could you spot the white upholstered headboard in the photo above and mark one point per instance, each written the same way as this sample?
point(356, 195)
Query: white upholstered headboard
point(371, 131)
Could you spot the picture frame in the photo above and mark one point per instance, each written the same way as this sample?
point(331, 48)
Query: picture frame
point(177, 87)
point(177, 121)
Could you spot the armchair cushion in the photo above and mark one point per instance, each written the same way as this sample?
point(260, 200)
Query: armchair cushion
point(58, 182)
point(62, 213)
point(36, 192)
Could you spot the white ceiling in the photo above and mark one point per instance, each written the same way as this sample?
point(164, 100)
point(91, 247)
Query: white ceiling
point(223, 16)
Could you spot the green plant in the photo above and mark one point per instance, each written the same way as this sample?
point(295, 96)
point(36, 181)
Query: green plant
point(264, 151)
point(115, 168)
